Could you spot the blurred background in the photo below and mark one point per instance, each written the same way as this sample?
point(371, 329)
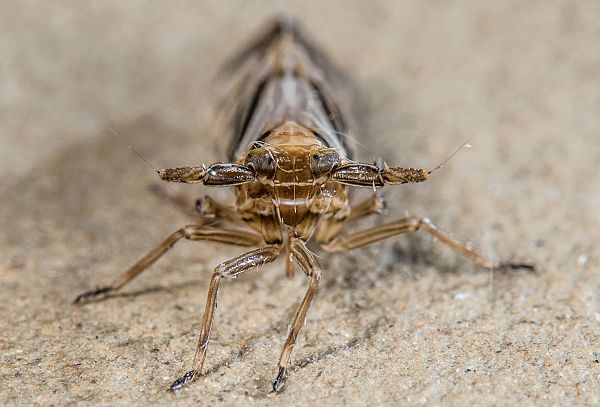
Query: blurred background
point(405, 322)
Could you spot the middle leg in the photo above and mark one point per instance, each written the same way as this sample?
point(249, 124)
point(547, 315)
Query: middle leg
point(311, 268)
point(189, 232)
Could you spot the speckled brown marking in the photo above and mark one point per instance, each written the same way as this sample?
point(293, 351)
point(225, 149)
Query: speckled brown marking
point(290, 163)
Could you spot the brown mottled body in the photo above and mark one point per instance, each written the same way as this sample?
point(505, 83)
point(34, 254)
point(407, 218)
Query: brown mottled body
point(290, 162)
point(290, 191)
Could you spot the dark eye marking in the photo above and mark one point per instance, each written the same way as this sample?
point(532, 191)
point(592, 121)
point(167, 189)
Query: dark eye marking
point(261, 160)
point(324, 162)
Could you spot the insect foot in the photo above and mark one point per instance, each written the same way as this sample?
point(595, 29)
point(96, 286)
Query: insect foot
point(280, 380)
point(183, 380)
point(516, 266)
point(92, 295)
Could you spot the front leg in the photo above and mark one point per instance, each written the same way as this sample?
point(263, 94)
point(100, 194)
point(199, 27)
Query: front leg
point(229, 269)
point(311, 268)
point(206, 209)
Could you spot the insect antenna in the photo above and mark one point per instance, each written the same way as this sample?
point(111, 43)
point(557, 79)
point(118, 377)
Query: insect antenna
point(352, 139)
point(463, 145)
point(132, 149)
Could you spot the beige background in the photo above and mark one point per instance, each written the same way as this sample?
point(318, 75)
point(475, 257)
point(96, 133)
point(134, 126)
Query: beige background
point(403, 322)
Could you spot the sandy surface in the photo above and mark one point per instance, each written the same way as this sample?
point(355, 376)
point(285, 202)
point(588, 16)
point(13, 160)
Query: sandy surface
point(403, 322)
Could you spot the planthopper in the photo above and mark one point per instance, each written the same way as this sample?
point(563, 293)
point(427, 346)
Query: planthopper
point(292, 166)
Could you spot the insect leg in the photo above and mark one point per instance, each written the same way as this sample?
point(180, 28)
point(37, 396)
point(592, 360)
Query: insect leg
point(289, 257)
point(412, 224)
point(177, 200)
point(190, 232)
point(374, 204)
point(331, 227)
point(208, 207)
point(309, 264)
point(229, 269)
point(205, 208)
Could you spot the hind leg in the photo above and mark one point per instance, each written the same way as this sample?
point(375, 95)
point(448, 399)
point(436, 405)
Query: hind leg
point(190, 232)
point(413, 224)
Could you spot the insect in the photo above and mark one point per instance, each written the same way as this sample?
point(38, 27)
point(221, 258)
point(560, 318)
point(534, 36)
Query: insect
point(291, 164)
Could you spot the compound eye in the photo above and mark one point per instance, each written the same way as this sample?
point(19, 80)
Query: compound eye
point(261, 160)
point(323, 162)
